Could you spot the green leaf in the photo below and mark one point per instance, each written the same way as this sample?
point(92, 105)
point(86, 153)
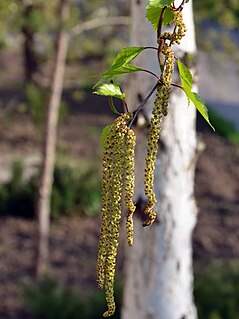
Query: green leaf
point(121, 64)
point(161, 3)
point(152, 14)
point(129, 68)
point(187, 83)
point(168, 17)
point(199, 103)
point(105, 133)
point(201, 106)
point(185, 75)
point(154, 9)
point(110, 90)
point(125, 56)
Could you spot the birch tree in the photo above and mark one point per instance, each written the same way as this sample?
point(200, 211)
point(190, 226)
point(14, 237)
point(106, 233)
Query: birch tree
point(159, 268)
point(158, 281)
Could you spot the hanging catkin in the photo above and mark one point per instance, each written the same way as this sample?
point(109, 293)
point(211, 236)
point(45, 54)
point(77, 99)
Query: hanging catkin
point(160, 108)
point(130, 140)
point(118, 169)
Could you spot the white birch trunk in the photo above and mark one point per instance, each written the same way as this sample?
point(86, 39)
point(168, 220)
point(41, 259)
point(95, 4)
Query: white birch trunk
point(158, 270)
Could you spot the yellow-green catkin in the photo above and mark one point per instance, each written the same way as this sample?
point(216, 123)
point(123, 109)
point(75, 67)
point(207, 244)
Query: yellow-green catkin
point(107, 174)
point(160, 109)
point(115, 154)
point(130, 141)
point(151, 158)
point(180, 28)
point(113, 231)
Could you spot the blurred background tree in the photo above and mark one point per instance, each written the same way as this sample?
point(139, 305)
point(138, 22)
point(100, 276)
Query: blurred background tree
point(217, 26)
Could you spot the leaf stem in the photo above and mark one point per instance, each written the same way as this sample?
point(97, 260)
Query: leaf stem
point(149, 47)
point(140, 107)
point(112, 106)
point(177, 86)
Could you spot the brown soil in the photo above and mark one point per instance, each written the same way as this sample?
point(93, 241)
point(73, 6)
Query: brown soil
point(73, 243)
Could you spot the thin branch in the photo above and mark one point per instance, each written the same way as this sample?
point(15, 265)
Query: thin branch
point(160, 23)
point(126, 109)
point(152, 73)
point(98, 22)
point(174, 32)
point(140, 107)
point(159, 40)
point(180, 8)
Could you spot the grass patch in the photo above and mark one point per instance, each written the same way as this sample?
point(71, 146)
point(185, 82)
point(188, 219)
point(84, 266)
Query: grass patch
point(75, 190)
point(47, 300)
point(217, 291)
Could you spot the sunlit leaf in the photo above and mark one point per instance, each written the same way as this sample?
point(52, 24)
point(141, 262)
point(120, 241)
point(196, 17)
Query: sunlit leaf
point(199, 103)
point(168, 17)
point(110, 90)
point(201, 106)
point(121, 64)
point(187, 83)
point(185, 75)
point(125, 56)
point(154, 9)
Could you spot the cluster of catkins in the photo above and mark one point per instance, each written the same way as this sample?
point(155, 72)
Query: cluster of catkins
point(118, 175)
point(160, 109)
point(118, 171)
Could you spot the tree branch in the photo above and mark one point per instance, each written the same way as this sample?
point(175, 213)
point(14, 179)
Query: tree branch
point(98, 22)
point(140, 107)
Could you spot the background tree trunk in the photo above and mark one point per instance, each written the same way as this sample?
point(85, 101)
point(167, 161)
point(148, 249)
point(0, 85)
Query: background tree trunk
point(158, 269)
point(29, 53)
point(49, 150)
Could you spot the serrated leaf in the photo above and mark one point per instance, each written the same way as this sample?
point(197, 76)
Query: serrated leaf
point(168, 17)
point(121, 64)
point(187, 83)
point(199, 103)
point(129, 68)
point(125, 56)
point(153, 11)
point(201, 106)
point(110, 90)
point(152, 14)
point(105, 133)
point(185, 75)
